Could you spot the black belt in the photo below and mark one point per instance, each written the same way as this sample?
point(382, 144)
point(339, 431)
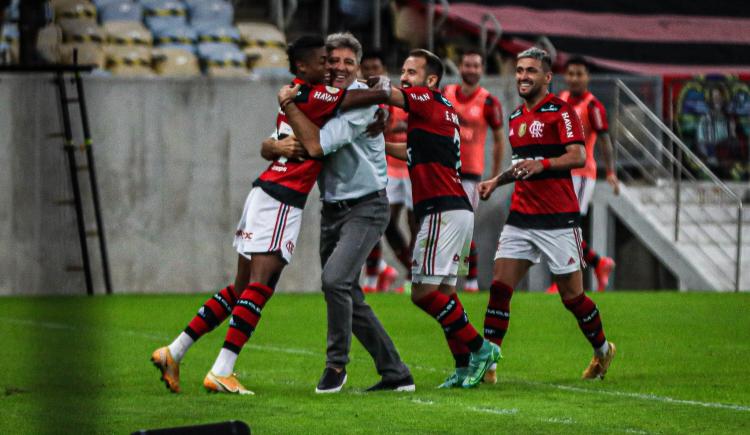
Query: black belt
point(349, 203)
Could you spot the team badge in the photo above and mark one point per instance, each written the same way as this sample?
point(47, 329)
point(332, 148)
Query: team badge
point(522, 130)
point(536, 129)
point(332, 90)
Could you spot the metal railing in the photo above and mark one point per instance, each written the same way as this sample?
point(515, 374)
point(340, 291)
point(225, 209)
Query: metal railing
point(643, 149)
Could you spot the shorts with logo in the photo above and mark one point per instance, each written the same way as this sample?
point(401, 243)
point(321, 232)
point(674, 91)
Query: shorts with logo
point(398, 191)
point(470, 187)
point(267, 225)
point(441, 249)
point(584, 188)
point(560, 247)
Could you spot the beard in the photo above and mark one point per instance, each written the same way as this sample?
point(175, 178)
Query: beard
point(470, 79)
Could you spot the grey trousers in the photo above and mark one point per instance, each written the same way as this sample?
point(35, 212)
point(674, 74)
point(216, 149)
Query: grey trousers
point(347, 236)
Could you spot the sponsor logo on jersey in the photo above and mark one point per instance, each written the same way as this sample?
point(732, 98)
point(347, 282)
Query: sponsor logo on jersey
point(456, 258)
point(571, 261)
point(522, 130)
point(536, 129)
point(568, 125)
point(515, 114)
point(421, 97)
point(244, 235)
point(324, 96)
point(445, 101)
point(549, 107)
point(278, 166)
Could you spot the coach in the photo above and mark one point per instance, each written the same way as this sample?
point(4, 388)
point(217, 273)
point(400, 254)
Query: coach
point(354, 216)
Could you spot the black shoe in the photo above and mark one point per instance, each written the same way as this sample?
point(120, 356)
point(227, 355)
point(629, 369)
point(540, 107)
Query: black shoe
point(331, 381)
point(404, 384)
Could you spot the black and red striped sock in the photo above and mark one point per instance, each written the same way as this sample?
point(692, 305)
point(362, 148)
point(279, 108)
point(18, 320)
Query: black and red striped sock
point(373, 260)
point(246, 315)
point(497, 317)
point(587, 314)
point(212, 313)
point(472, 261)
point(452, 317)
point(458, 349)
point(591, 257)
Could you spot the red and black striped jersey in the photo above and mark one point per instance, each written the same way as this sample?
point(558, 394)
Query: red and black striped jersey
point(546, 200)
point(291, 181)
point(433, 147)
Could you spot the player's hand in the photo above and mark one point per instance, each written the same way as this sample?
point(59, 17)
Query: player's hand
point(485, 188)
point(291, 148)
point(378, 125)
point(379, 83)
point(287, 92)
point(614, 182)
point(526, 168)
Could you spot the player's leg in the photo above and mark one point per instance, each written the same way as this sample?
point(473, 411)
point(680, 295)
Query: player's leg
point(562, 249)
point(471, 284)
point(602, 265)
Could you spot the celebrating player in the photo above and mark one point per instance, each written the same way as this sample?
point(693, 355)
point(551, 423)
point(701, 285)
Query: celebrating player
point(268, 230)
point(547, 141)
point(445, 215)
point(477, 110)
point(594, 118)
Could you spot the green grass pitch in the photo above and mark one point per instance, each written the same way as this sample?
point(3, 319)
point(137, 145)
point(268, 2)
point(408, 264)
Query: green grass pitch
point(81, 365)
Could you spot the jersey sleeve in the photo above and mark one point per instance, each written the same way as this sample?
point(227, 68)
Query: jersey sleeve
point(569, 126)
point(418, 101)
point(598, 117)
point(319, 102)
point(493, 112)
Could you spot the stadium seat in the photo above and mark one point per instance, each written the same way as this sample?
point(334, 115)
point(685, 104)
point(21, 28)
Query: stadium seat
point(71, 14)
point(266, 46)
point(223, 60)
point(175, 36)
point(160, 13)
point(175, 62)
point(9, 42)
point(126, 37)
point(129, 61)
point(88, 39)
point(210, 11)
point(120, 10)
point(48, 43)
point(211, 32)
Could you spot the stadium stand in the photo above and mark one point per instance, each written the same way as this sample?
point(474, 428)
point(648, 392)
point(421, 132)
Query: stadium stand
point(175, 62)
point(120, 10)
point(176, 36)
point(128, 48)
point(87, 39)
point(214, 11)
point(265, 45)
point(9, 44)
point(222, 60)
point(73, 14)
point(158, 13)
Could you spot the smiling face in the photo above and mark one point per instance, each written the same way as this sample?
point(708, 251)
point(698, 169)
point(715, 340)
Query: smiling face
point(577, 78)
point(414, 73)
point(531, 79)
point(471, 69)
point(312, 68)
point(342, 67)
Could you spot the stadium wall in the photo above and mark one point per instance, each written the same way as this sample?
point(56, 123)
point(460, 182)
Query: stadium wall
point(175, 160)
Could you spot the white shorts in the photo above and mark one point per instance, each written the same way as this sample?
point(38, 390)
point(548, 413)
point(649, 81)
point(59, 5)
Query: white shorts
point(441, 250)
point(561, 248)
point(267, 225)
point(398, 191)
point(470, 187)
point(584, 188)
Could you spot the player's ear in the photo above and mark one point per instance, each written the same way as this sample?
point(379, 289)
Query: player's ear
point(432, 80)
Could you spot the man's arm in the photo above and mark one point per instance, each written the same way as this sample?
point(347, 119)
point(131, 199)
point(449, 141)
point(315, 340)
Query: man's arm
point(485, 188)
point(498, 148)
point(305, 131)
point(574, 157)
point(289, 147)
point(397, 150)
point(609, 161)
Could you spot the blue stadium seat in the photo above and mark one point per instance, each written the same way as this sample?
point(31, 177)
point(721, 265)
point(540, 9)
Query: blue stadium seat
point(175, 36)
point(9, 43)
point(218, 33)
point(100, 3)
point(222, 60)
point(159, 13)
point(210, 11)
point(120, 10)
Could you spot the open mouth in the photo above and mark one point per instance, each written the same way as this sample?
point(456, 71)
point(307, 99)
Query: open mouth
point(524, 86)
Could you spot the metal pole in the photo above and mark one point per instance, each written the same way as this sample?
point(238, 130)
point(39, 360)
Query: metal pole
point(70, 151)
point(92, 181)
point(376, 24)
point(738, 261)
point(326, 11)
point(677, 194)
point(430, 25)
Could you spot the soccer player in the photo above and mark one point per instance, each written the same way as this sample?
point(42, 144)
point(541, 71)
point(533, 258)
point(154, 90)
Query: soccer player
point(477, 111)
point(378, 275)
point(547, 141)
point(445, 215)
point(267, 232)
point(594, 119)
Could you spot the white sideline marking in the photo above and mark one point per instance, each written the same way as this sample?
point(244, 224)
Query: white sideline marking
point(512, 411)
point(293, 351)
